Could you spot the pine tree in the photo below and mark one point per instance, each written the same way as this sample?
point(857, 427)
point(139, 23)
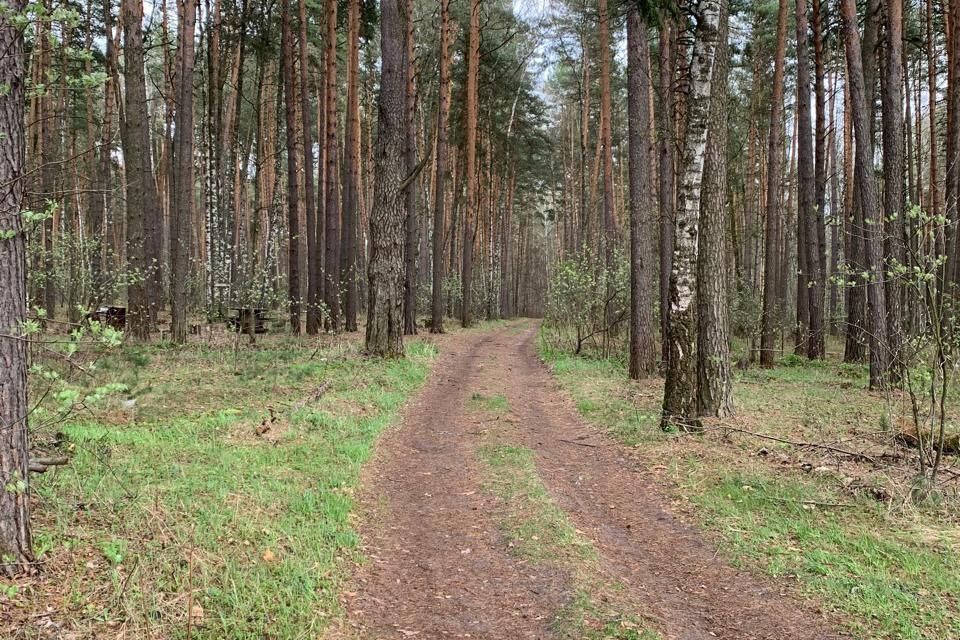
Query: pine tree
point(384, 335)
point(16, 546)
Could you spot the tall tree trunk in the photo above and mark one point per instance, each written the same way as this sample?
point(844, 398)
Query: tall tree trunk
point(666, 144)
point(48, 156)
point(219, 256)
point(100, 165)
point(332, 207)
point(893, 176)
point(470, 177)
point(410, 158)
point(321, 90)
point(233, 163)
point(932, 198)
point(837, 214)
point(182, 182)
point(507, 307)
point(642, 342)
point(586, 219)
point(714, 378)
point(854, 349)
point(165, 160)
point(807, 192)
point(747, 269)
point(820, 150)
point(351, 191)
point(951, 207)
point(866, 188)
point(143, 204)
point(314, 264)
point(16, 546)
point(293, 182)
point(385, 273)
point(679, 396)
point(771, 266)
point(606, 136)
point(439, 198)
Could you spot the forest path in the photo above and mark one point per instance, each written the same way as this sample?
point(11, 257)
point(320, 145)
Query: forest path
point(439, 564)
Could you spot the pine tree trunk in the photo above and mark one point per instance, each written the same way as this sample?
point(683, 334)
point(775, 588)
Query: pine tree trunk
point(439, 199)
point(293, 182)
point(679, 397)
point(951, 207)
point(837, 213)
point(233, 163)
point(771, 262)
point(507, 307)
point(932, 198)
point(143, 205)
point(606, 138)
point(893, 177)
point(332, 207)
point(820, 157)
point(100, 166)
point(351, 190)
point(586, 219)
point(49, 139)
point(853, 350)
point(16, 546)
point(714, 378)
point(470, 177)
point(666, 144)
point(182, 182)
point(642, 342)
point(385, 274)
point(808, 211)
point(866, 188)
point(747, 269)
point(314, 264)
point(410, 159)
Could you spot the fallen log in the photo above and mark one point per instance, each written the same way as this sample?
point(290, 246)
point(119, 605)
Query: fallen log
point(40, 465)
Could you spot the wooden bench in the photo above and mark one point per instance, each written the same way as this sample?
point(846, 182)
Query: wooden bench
point(241, 316)
point(115, 317)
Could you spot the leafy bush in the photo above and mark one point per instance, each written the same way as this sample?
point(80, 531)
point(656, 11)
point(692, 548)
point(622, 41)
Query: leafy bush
point(746, 313)
point(587, 302)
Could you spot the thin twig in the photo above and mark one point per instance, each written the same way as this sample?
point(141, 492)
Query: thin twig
point(579, 444)
point(812, 445)
point(814, 502)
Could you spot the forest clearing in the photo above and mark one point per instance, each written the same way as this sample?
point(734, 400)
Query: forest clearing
point(586, 319)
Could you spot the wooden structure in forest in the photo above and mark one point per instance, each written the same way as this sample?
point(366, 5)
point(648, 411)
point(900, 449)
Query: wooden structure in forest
point(115, 317)
point(242, 317)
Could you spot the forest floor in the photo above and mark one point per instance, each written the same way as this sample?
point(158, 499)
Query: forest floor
point(259, 492)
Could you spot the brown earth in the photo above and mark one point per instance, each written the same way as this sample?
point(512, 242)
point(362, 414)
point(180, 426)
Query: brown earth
point(438, 567)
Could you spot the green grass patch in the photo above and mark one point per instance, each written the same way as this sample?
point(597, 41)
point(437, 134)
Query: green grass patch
point(603, 396)
point(539, 531)
point(586, 619)
point(535, 526)
point(895, 583)
point(177, 498)
point(494, 404)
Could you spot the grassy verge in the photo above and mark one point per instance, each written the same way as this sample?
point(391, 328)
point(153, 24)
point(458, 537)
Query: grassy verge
point(887, 569)
point(539, 531)
point(214, 499)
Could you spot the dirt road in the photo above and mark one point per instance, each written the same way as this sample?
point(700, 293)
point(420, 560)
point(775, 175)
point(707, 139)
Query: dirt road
point(439, 567)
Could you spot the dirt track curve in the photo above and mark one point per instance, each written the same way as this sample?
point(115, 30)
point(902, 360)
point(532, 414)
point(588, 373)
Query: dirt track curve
point(438, 566)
